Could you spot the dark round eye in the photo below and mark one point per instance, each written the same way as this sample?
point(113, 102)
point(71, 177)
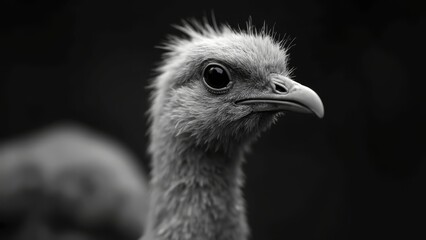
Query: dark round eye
point(216, 78)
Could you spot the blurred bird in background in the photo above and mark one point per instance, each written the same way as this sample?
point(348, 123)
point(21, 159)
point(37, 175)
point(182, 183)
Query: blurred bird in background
point(70, 182)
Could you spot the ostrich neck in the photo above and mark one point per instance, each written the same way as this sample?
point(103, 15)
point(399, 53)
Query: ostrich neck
point(196, 194)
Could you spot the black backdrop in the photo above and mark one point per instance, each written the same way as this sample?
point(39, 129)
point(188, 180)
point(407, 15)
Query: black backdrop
point(357, 174)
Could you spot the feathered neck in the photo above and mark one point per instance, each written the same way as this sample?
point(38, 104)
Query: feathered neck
point(195, 194)
point(196, 190)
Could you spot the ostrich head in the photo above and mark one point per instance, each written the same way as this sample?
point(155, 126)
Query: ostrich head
point(219, 88)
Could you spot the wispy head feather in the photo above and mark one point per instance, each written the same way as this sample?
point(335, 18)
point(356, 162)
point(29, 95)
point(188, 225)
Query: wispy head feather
point(193, 29)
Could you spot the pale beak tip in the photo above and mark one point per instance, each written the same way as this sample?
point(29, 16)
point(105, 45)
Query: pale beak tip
point(318, 110)
point(320, 113)
point(310, 99)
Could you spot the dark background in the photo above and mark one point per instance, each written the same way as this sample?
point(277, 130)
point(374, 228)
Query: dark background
point(359, 173)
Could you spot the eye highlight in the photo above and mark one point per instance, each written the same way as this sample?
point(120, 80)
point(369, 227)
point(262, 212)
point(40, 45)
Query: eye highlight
point(216, 78)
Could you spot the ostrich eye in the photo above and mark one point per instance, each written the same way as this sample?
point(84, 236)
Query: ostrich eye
point(216, 78)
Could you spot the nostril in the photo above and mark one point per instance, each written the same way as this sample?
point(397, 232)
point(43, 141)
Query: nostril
point(280, 88)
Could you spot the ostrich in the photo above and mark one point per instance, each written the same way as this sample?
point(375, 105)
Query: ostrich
point(216, 90)
point(69, 183)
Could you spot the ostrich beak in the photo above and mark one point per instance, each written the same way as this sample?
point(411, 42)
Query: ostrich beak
point(287, 95)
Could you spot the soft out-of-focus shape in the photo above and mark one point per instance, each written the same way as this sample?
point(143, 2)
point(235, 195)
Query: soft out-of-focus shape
point(68, 182)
